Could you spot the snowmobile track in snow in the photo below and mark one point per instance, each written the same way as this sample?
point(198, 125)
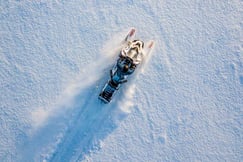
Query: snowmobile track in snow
point(84, 131)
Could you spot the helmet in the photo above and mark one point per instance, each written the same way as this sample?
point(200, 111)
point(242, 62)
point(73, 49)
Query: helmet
point(125, 68)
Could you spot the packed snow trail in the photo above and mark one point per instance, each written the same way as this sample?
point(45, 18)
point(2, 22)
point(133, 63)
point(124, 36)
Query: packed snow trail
point(76, 103)
point(81, 132)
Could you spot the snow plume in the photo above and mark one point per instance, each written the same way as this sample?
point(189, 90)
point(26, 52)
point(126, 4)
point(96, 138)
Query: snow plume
point(96, 70)
point(78, 113)
point(127, 101)
point(87, 77)
point(39, 117)
point(67, 99)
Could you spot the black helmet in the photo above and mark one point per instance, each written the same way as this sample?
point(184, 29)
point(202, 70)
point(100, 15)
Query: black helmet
point(125, 68)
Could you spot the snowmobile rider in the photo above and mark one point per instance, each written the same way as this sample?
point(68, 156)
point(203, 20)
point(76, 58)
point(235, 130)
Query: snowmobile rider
point(129, 58)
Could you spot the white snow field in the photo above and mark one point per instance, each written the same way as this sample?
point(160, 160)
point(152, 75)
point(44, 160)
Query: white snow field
point(186, 104)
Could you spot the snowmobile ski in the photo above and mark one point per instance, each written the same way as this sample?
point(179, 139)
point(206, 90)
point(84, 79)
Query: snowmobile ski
point(130, 34)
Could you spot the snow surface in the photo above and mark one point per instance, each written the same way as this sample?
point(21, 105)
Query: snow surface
point(187, 104)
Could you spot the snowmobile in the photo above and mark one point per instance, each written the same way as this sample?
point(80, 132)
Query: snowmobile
point(129, 58)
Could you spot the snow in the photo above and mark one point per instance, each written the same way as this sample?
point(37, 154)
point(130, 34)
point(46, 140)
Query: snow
point(185, 105)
